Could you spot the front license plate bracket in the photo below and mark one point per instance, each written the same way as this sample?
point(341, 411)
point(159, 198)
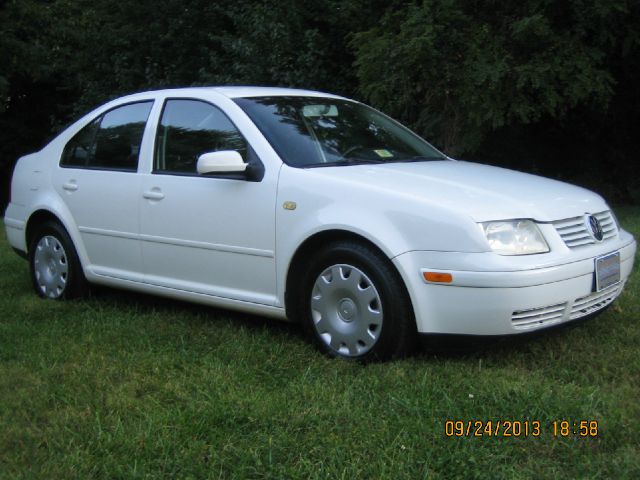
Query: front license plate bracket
point(607, 270)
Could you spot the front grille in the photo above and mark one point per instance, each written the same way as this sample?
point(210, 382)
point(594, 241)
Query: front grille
point(575, 233)
point(537, 317)
point(595, 301)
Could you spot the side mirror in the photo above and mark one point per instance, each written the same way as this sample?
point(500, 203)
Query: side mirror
point(224, 161)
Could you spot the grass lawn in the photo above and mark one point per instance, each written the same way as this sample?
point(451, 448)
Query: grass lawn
point(127, 386)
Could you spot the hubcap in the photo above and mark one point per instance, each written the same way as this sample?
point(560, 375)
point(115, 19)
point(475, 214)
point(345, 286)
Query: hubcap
point(50, 266)
point(346, 310)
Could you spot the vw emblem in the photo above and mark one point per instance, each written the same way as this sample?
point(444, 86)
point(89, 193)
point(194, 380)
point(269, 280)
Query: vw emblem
point(595, 227)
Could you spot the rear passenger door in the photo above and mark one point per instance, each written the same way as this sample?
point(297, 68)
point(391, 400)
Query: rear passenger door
point(208, 234)
point(97, 179)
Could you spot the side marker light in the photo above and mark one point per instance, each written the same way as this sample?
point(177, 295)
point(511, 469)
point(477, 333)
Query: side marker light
point(437, 277)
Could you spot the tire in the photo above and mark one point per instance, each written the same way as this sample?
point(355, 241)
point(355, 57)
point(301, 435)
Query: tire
point(55, 269)
point(353, 304)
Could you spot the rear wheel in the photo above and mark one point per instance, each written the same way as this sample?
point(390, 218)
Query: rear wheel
point(354, 305)
point(56, 272)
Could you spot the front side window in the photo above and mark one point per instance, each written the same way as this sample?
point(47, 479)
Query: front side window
point(316, 131)
point(112, 141)
point(189, 128)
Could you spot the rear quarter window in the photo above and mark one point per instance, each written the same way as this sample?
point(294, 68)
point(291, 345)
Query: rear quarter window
point(111, 141)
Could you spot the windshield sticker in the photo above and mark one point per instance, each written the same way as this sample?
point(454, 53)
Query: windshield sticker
point(384, 153)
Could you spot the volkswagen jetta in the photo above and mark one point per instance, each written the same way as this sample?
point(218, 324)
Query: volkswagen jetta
point(310, 207)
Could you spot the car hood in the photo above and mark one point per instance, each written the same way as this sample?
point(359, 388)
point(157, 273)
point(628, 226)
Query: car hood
point(481, 191)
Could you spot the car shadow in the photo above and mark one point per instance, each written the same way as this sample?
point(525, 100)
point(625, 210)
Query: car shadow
point(193, 312)
point(449, 346)
point(458, 346)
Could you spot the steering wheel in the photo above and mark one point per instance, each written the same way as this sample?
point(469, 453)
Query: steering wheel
point(352, 149)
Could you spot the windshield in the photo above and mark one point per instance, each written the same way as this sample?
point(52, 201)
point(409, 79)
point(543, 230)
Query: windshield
point(317, 131)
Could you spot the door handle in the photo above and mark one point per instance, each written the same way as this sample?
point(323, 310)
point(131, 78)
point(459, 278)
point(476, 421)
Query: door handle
point(70, 186)
point(153, 194)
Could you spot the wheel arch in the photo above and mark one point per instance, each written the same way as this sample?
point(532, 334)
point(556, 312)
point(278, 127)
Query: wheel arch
point(41, 215)
point(71, 282)
point(311, 244)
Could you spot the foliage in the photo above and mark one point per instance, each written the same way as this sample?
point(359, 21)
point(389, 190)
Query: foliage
point(456, 70)
point(476, 78)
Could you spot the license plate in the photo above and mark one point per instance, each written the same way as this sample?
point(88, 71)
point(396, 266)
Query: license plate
point(607, 270)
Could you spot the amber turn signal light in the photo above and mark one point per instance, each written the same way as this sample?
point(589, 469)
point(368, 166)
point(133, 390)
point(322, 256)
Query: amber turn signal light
point(437, 277)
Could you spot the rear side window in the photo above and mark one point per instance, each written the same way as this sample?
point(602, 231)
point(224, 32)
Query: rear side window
point(189, 128)
point(112, 141)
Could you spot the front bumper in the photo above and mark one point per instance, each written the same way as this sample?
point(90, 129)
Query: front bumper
point(486, 302)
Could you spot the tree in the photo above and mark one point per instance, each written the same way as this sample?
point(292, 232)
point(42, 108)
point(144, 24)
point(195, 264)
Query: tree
point(457, 69)
point(508, 82)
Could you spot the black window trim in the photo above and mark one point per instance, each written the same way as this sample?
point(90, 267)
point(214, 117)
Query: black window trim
point(255, 167)
point(125, 170)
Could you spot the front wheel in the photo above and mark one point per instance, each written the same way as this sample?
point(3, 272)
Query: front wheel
point(56, 272)
point(354, 304)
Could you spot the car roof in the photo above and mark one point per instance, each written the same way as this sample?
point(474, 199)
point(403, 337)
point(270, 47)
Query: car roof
point(239, 92)
point(235, 92)
point(227, 91)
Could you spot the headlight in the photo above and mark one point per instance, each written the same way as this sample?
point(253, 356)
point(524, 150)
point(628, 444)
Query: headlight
point(514, 237)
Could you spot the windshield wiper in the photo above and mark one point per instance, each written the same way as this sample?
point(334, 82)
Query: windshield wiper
point(340, 163)
point(416, 159)
point(368, 161)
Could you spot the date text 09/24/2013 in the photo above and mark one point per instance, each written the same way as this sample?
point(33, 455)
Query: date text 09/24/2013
point(520, 428)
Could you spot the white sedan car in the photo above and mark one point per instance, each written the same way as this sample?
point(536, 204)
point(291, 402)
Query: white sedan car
point(310, 207)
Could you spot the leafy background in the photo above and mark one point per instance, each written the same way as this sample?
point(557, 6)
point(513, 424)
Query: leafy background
point(537, 85)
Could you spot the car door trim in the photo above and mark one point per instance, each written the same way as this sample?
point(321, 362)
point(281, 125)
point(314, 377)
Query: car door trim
point(182, 243)
point(208, 246)
point(108, 233)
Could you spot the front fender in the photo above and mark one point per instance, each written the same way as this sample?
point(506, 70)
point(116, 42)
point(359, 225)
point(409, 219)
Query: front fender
point(309, 203)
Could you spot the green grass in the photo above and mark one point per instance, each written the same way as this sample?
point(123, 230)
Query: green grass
point(127, 386)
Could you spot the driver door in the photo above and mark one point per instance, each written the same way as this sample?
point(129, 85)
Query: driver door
point(206, 234)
